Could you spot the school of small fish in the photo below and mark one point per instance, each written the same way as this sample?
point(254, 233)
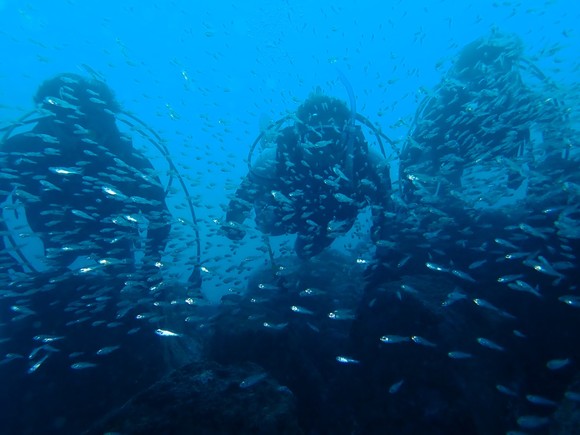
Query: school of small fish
point(524, 258)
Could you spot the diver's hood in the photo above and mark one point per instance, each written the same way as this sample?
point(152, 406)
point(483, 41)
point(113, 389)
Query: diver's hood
point(73, 99)
point(498, 50)
point(320, 111)
point(321, 124)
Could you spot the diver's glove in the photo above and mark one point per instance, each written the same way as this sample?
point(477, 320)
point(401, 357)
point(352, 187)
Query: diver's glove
point(233, 231)
point(194, 281)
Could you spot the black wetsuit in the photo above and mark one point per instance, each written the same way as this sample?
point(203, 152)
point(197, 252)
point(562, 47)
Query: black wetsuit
point(304, 197)
point(81, 197)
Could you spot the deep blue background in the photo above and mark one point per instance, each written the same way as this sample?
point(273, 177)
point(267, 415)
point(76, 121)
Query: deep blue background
point(207, 74)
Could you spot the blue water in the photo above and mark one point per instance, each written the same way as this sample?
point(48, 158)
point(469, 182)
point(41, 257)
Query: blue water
point(207, 76)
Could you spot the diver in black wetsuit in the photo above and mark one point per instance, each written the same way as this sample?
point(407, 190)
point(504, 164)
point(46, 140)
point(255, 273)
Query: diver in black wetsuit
point(488, 112)
point(315, 181)
point(85, 190)
point(72, 177)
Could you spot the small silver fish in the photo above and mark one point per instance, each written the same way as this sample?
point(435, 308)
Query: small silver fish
point(505, 390)
point(74, 355)
point(82, 214)
point(490, 344)
point(517, 255)
point(563, 265)
point(107, 350)
point(436, 267)
point(25, 311)
point(394, 389)
point(10, 357)
point(557, 364)
point(49, 186)
point(572, 300)
point(346, 360)
point(109, 190)
point(269, 287)
point(301, 310)
point(83, 365)
point(311, 292)
point(520, 285)
point(422, 341)
point(404, 261)
point(506, 244)
point(275, 326)
point(463, 275)
point(166, 333)
point(528, 229)
point(457, 354)
point(394, 339)
point(280, 197)
point(336, 169)
point(476, 264)
point(65, 171)
point(250, 381)
point(44, 347)
point(539, 400)
point(342, 315)
point(452, 298)
point(407, 288)
point(532, 421)
point(543, 267)
point(340, 197)
point(48, 338)
point(509, 278)
point(97, 101)
point(572, 395)
point(36, 365)
point(487, 305)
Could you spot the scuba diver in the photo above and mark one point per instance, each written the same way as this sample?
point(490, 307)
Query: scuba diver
point(485, 114)
point(85, 227)
point(315, 180)
point(85, 190)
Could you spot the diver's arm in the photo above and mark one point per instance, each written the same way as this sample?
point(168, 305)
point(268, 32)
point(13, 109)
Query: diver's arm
point(149, 188)
point(378, 192)
point(10, 174)
point(10, 178)
point(242, 202)
point(256, 184)
point(7, 179)
point(240, 206)
point(159, 229)
point(6, 260)
point(159, 218)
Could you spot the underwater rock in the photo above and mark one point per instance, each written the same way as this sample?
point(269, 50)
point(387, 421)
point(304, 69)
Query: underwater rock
point(207, 398)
